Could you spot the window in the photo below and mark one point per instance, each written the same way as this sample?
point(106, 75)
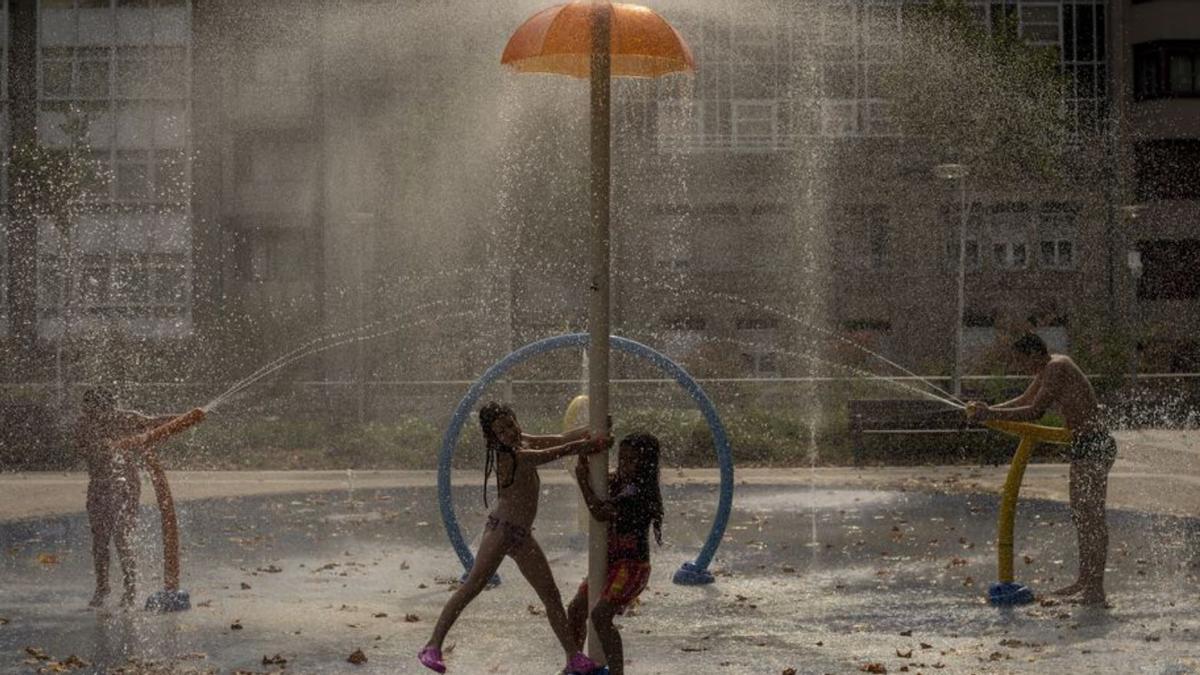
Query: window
point(971, 260)
point(1167, 169)
point(678, 264)
point(757, 323)
point(972, 251)
point(1040, 23)
point(838, 25)
point(92, 288)
point(1056, 234)
point(879, 235)
point(754, 124)
point(152, 72)
point(687, 322)
point(1165, 69)
point(839, 118)
point(75, 72)
point(761, 363)
point(1058, 254)
point(1171, 269)
point(1010, 255)
point(50, 285)
point(877, 119)
point(132, 176)
point(680, 123)
point(864, 236)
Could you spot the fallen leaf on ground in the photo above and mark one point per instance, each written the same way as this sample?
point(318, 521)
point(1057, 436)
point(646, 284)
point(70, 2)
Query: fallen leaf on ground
point(357, 657)
point(47, 558)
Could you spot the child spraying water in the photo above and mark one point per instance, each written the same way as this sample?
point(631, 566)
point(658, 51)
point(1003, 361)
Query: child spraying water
point(509, 530)
point(109, 438)
point(634, 506)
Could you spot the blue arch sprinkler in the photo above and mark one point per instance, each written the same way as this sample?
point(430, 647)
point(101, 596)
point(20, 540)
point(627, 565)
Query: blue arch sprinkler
point(691, 573)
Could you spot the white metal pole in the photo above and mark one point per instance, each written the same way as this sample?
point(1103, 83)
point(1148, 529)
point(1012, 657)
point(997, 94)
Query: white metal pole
point(598, 314)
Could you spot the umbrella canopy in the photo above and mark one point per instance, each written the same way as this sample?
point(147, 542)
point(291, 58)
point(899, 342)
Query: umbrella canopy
point(559, 40)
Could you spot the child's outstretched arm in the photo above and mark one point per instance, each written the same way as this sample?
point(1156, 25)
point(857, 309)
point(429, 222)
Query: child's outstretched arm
point(553, 440)
point(158, 433)
point(585, 445)
point(600, 509)
point(136, 422)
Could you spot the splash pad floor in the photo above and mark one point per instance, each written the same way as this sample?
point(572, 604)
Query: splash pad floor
point(816, 578)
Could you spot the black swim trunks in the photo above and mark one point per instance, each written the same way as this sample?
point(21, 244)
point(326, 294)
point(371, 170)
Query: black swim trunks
point(1094, 447)
point(514, 536)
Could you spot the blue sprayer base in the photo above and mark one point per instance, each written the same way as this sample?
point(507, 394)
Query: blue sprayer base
point(169, 601)
point(1009, 594)
point(602, 670)
point(691, 575)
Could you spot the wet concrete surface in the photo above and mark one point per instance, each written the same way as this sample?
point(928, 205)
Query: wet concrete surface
point(820, 580)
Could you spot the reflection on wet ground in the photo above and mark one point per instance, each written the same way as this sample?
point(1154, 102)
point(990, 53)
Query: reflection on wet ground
point(816, 580)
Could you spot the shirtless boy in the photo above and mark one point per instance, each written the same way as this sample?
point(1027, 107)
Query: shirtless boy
point(1059, 383)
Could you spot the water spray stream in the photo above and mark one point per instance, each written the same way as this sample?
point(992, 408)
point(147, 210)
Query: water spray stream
point(316, 350)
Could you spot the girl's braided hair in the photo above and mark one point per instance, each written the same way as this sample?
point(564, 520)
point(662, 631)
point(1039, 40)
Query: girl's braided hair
point(647, 478)
point(487, 415)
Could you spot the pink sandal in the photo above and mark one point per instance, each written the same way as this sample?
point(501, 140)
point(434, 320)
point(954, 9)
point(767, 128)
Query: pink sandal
point(431, 658)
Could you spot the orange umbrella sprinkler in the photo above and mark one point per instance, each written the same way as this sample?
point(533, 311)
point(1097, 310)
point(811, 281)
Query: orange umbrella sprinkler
point(559, 40)
point(599, 41)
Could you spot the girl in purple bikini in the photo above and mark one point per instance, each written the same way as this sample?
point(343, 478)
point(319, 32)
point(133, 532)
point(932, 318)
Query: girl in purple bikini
point(516, 457)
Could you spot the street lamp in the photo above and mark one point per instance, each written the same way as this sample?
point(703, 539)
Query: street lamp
point(959, 173)
point(1133, 260)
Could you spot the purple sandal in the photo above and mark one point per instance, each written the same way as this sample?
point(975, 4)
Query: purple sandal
point(431, 658)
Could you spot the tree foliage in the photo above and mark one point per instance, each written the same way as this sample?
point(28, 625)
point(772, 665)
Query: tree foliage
point(54, 181)
point(980, 94)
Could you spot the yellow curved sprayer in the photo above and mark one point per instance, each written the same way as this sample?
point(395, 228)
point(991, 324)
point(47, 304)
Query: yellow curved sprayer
point(577, 416)
point(1006, 592)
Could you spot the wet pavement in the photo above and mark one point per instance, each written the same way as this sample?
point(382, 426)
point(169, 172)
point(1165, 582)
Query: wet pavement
point(820, 580)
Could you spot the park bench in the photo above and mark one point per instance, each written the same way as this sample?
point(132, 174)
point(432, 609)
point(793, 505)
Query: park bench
point(904, 417)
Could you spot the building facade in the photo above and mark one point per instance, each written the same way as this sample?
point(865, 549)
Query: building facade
point(276, 170)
